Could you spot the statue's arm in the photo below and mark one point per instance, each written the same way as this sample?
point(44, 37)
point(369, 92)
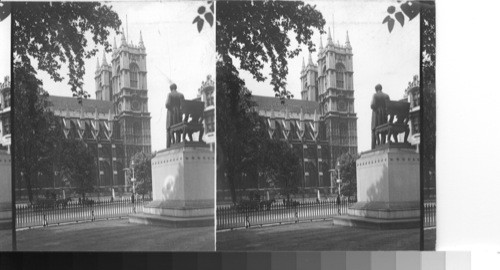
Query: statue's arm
point(168, 104)
point(373, 103)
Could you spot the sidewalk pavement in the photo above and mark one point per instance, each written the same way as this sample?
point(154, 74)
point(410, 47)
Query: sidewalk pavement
point(317, 236)
point(115, 235)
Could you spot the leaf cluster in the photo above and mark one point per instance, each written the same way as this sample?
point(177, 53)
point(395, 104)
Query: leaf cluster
point(205, 14)
point(409, 8)
point(142, 171)
point(347, 165)
point(258, 33)
point(78, 165)
point(54, 34)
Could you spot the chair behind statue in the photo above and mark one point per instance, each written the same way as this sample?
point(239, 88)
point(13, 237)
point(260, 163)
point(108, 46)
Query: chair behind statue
point(398, 113)
point(192, 121)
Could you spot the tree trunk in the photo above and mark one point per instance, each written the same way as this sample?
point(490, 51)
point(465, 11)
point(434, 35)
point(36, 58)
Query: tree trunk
point(232, 187)
point(29, 188)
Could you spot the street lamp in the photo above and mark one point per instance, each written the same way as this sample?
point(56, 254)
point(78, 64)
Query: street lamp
point(339, 180)
point(133, 179)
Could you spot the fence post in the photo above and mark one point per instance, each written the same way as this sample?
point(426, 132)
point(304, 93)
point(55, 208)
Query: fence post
point(45, 223)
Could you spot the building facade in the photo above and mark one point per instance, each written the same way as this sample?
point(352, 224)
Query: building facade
point(5, 127)
point(206, 94)
point(322, 125)
point(115, 125)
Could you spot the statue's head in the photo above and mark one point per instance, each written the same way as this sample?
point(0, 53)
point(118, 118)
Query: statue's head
point(378, 88)
point(173, 87)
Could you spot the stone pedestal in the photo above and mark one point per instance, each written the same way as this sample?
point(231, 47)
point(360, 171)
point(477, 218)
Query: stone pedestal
point(5, 201)
point(183, 188)
point(388, 189)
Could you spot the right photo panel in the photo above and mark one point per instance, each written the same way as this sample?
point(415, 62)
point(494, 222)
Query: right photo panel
point(321, 125)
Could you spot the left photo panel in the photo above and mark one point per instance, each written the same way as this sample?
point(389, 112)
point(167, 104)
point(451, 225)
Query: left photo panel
point(114, 126)
point(5, 127)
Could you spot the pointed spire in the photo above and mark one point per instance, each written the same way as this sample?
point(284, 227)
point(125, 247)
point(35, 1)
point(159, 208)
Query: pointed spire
point(97, 64)
point(333, 27)
point(124, 40)
point(104, 62)
point(320, 43)
point(303, 64)
point(347, 42)
point(114, 43)
point(310, 61)
point(330, 40)
point(141, 43)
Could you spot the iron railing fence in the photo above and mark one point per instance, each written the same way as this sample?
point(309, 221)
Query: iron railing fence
point(258, 214)
point(49, 212)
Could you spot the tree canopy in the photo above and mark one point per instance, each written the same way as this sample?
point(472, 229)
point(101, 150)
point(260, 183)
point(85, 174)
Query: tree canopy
point(55, 33)
point(257, 33)
point(50, 35)
point(142, 171)
point(35, 132)
point(347, 165)
point(78, 166)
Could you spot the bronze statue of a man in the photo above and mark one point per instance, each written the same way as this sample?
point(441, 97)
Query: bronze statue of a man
point(379, 114)
point(174, 111)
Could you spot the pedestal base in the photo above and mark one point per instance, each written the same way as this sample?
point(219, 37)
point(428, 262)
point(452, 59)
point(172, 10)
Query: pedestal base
point(183, 188)
point(376, 223)
point(388, 189)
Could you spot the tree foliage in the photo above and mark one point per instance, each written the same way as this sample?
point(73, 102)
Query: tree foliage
point(428, 81)
point(55, 33)
point(254, 33)
point(78, 166)
point(409, 9)
point(50, 34)
point(235, 128)
point(280, 165)
point(142, 171)
point(205, 13)
point(347, 165)
point(258, 33)
point(35, 132)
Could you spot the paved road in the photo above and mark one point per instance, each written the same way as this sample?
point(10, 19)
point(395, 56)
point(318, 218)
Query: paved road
point(317, 236)
point(116, 235)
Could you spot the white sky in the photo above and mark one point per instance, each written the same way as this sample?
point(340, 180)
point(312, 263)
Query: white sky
point(5, 48)
point(176, 52)
point(378, 56)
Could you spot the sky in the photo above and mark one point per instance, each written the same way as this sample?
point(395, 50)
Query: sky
point(391, 59)
point(5, 48)
point(176, 52)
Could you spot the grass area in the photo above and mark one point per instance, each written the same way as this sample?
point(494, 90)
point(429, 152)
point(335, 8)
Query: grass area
point(115, 235)
point(317, 236)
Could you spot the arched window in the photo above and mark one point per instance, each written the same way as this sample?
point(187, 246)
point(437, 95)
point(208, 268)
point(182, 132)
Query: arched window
point(137, 132)
point(134, 75)
point(340, 76)
point(119, 82)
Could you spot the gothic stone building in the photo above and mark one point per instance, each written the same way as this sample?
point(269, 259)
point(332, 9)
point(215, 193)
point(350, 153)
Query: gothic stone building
point(322, 125)
point(5, 139)
point(116, 125)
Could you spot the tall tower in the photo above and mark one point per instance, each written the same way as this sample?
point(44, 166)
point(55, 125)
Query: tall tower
point(103, 80)
point(130, 96)
point(336, 96)
point(308, 77)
